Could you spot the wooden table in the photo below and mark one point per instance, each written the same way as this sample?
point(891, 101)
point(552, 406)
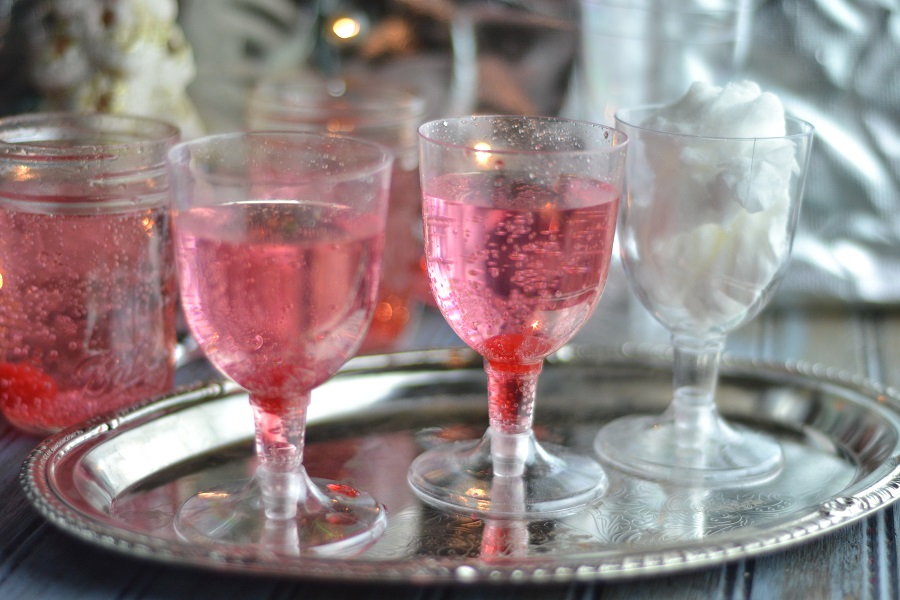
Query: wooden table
point(858, 561)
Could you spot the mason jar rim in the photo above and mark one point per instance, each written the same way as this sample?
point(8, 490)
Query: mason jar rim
point(91, 135)
point(366, 103)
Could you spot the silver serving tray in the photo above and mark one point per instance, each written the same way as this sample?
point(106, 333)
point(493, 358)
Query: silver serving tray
point(117, 481)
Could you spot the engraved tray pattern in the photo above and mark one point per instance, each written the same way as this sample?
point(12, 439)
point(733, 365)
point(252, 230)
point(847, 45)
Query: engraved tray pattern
point(116, 481)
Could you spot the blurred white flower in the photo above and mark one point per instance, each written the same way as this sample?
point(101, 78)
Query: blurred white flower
point(115, 56)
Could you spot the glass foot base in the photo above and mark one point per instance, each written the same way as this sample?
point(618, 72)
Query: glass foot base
point(722, 456)
point(335, 519)
point(507, 476)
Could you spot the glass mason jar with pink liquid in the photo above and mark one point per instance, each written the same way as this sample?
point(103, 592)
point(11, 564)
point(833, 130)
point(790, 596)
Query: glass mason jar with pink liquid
point(379, 112)
point(87, 278)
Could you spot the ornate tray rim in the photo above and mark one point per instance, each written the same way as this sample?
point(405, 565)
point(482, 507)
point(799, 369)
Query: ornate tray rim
point(872, 493)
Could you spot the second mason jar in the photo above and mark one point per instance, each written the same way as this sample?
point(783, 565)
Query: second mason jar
point(382, 113)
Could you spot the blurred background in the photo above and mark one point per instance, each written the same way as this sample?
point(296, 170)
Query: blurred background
point(835, 63)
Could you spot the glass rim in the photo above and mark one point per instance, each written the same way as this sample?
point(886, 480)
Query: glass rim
point(382, 158)
point(619, 139)
point(381, 105)
point(626, 116)
point(20, 134)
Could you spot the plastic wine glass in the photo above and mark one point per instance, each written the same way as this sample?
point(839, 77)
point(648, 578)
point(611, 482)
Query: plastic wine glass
point(279, 238)
point(705, 239)
point(519, 216)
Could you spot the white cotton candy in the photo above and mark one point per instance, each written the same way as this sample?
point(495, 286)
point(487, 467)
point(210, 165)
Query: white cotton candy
point(738, 110)
point(755, 176)
point(716, 230)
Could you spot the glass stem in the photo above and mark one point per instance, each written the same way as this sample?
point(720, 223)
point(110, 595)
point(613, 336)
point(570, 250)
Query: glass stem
point(695, 375)
point(511, 394)
point(280, 435)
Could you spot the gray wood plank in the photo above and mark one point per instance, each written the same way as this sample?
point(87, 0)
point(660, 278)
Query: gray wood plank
point(710, 584)
point(828, 338)
point(887, 334)
point(828, 567)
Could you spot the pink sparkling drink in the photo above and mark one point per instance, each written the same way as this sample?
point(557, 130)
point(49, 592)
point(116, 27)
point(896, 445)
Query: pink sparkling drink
point(88, 290)
point(518, 268)
point(306, 293)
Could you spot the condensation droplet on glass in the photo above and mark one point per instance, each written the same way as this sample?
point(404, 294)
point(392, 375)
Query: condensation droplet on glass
point(257, 342)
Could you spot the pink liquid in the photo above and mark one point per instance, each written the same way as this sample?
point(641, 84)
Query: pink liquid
point(87, 312)
point(403, 285)
point(279, 295)
point(515, 268)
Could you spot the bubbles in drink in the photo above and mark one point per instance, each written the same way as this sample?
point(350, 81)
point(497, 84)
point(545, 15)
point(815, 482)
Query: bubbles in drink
point(514, 257)
point(277, 305)
point(87, 308)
